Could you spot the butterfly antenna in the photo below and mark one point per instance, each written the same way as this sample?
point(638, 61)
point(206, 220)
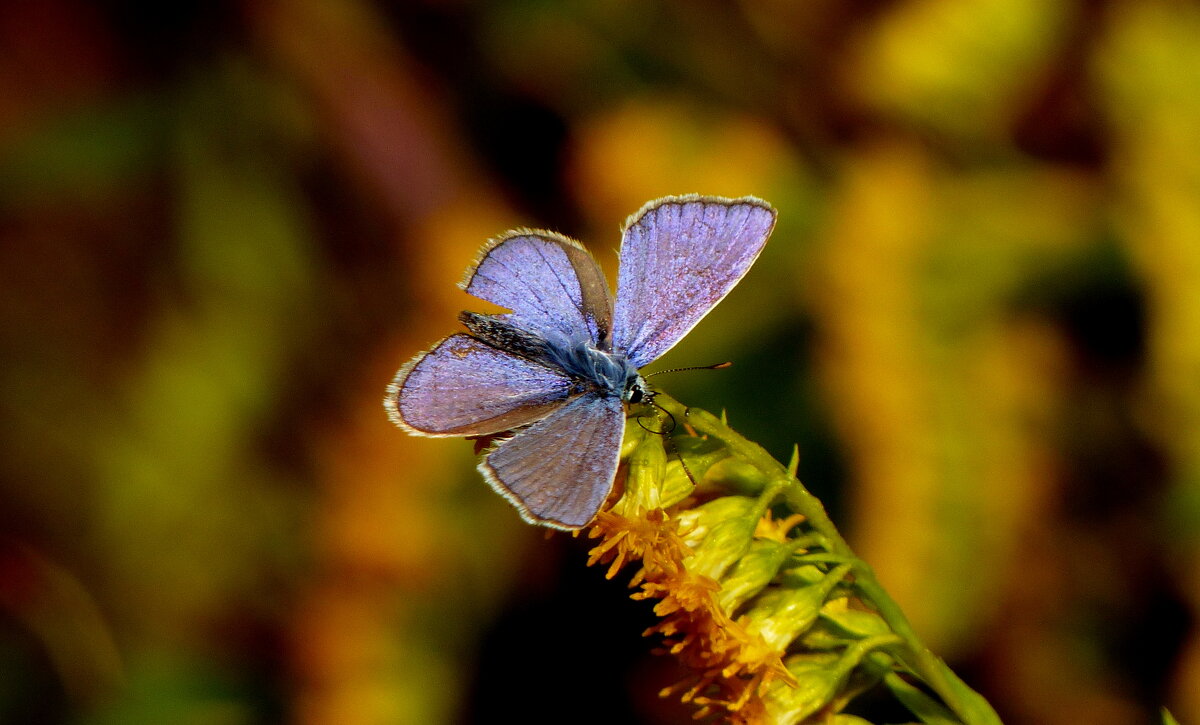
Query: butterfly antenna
point(717, 366)
point(663, 430)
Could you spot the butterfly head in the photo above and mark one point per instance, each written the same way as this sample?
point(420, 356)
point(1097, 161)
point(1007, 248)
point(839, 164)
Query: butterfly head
point(637, 391)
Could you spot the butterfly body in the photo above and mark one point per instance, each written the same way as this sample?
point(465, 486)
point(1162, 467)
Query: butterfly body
point(589, 367)
point(559, 370)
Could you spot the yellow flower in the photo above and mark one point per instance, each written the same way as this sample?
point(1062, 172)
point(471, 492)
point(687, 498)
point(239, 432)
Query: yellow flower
point(771, 616)
point(651, 538)
point(681, 558)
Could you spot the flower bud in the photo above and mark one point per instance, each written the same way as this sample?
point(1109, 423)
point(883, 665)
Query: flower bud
point(736, 476)
point(853, 623)
point(754, 571)
point(801, 576)
point(697, 523)
point(645, 477)
point(783, 614)
point(818, 679)
point(727, 541)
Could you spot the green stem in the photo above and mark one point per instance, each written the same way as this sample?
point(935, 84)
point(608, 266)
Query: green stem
point(967, 704)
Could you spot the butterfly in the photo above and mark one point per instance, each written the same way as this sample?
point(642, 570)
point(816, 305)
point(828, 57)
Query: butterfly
point(554, 376)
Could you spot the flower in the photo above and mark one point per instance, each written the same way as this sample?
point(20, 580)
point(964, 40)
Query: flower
point(651, 538)
point(682, 558)
point(756, 592)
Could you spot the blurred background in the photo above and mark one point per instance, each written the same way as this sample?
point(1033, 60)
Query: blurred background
point(223, 226)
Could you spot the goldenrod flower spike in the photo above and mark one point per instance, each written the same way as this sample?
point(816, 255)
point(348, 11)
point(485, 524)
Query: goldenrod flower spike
point(758, 594)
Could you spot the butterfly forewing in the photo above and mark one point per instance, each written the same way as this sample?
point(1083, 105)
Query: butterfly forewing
point(559, 471)
point(464, 387)
point(549, 281)
point(679, 257)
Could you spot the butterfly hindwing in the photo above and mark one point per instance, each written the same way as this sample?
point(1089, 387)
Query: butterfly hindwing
point(463, 387)
point(559, 470)
point(680, 256)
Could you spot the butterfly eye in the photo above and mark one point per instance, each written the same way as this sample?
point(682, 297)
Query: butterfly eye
point(636, 392)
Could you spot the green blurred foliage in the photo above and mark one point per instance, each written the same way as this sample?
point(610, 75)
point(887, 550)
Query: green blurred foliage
point(223, 226)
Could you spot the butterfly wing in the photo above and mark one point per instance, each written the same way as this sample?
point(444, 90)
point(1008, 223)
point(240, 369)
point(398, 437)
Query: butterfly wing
point(464, 387)
point(558, 471)
point(549, 281)
point(680, 256)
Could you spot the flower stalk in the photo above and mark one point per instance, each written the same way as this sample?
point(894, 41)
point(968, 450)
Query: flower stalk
point(758, 593)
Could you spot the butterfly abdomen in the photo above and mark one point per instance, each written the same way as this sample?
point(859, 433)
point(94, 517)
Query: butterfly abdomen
point(504, 336)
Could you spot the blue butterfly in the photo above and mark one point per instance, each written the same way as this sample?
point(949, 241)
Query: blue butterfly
point(562, 366)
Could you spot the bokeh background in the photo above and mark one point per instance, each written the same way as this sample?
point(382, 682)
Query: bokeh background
point(224, 225)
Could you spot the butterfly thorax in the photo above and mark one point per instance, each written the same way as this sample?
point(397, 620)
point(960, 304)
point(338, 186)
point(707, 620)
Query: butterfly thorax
point(589, 367)
point(594, 368)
